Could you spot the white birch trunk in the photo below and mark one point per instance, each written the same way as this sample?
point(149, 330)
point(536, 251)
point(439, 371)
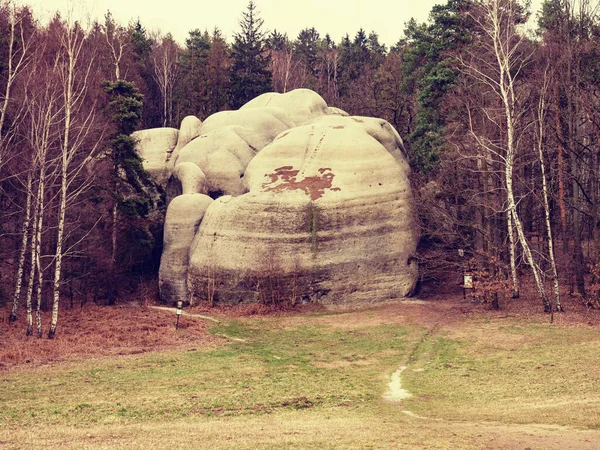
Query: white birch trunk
point(115, 218)
point(513, 255)
point(555, 281)
point(63, 199)
point(71, 143)
point(15, 63)
point(504, 51)
point(32, 270)
point(23, 251)
point(38, 249)
point(10, 79)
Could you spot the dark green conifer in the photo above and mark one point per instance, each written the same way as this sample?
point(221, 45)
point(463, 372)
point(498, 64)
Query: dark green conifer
point(250, 75)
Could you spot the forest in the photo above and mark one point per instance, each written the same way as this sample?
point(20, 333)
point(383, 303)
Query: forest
point(501, 122)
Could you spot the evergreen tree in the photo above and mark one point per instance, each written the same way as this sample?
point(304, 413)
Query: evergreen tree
point(430, 72)
point(125, 104)
point(142, 49)
point(191, 93)
point(277, 41)
point(250, 75)
point(132, 189)
point(218, 65)
point(307, 48)
point(344, 69)
point(377, 51)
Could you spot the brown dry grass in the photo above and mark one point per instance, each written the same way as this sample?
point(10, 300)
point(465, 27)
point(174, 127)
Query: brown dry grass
point(128, 329)
point(300, 430)
point(254, 309)
point(529, 308)
point(94, 331)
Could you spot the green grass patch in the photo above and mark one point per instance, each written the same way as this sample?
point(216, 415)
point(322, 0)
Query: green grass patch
point(512, 374)
point(277, 368)
point(317, 381)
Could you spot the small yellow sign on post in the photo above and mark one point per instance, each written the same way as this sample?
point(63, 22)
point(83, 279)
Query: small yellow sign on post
point(468, 281)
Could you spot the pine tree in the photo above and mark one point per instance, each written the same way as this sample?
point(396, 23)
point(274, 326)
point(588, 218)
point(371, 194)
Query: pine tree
point(132, 188)
point(307, 52)
point(250, 75)
point(430, 72)
point(142, 48)
point(218, 65)
point(191, 92)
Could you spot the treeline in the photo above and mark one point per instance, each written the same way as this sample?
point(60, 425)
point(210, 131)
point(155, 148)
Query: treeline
point(501, 125)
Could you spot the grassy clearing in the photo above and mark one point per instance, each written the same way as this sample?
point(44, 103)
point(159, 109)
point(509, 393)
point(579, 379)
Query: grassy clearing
point(316, 380)
point(505, 371)
point(276, 368)
point(384, 427)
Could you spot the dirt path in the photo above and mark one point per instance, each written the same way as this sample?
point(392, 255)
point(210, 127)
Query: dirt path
point(503, 436)
point(183, 313)
point(499, 435)
point(395, 391)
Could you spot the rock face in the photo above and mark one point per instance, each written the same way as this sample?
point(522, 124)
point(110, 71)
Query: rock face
point(222, 155)
point(184, 215)
point(154, 147)
point(311, 205)
point(188, 130)
point(301, 105)
point(328, 217)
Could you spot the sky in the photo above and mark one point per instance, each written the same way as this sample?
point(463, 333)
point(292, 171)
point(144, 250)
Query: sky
point(336, 17)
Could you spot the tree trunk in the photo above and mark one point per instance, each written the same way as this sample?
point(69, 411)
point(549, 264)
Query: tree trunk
point(555, 281)
point(512, 251)
point(15, 65)
point(38, 249)
point(561, 174)
point(32, 270)
point(479, 209)
point(112, 294)
point(23, 251)
point(58, 255)
point(495, 303)
point(578, 259)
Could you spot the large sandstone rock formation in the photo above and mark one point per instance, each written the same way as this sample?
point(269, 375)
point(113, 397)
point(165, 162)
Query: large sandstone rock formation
point(311, 205)
point(328, 217)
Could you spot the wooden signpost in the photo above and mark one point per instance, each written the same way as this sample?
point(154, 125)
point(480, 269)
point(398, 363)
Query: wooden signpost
point(179, 313)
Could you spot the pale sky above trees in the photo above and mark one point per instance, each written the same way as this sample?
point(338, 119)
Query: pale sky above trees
point(336, 17)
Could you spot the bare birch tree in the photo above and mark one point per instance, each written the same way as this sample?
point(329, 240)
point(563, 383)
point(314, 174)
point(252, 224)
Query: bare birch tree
point(42, 117)
point(282, 67)
point(19, 48)
point(117, 42)
point(164, 57)
point(19, 57)
point(541, 116)
point(23, 249)
point(76, 149)
point(499, 64)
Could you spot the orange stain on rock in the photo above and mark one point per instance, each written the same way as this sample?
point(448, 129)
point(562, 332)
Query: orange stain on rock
point(286, 179)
